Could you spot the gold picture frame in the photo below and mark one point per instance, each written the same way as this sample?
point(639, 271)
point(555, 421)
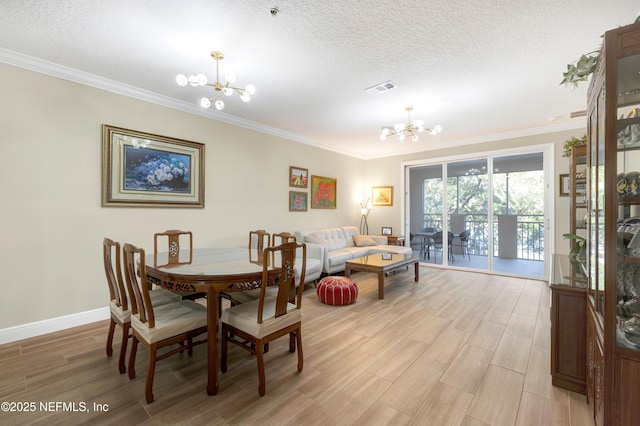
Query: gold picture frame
point(382, 195)
point(145, 170)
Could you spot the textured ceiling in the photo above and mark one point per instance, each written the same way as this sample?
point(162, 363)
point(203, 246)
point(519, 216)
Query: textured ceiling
point(482, 70)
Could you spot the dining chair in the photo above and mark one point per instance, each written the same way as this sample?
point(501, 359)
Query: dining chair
point(426, 243)
point(173, 238)
point(258, 241)
point(119, 304)
point(463, 239)
point(253, 325)
point(282, 237)
point(158, 326)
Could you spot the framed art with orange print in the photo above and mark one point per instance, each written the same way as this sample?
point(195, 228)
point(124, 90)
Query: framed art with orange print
point(323, 192)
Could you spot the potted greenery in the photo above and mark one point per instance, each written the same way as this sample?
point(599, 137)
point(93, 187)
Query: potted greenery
point(571, 142)
point(578, 254)
point(581, 69)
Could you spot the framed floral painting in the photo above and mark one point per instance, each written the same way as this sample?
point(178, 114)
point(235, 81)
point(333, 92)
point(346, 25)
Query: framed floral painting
point(297, 201)
point(323, 192)
point(145, 170)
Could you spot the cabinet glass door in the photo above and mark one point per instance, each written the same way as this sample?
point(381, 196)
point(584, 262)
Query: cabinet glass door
point(627, 128)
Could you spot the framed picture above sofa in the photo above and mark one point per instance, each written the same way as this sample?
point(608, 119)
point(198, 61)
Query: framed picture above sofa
point(323, 192)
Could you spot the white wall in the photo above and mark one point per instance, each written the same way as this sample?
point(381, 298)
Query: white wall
point(50, 180)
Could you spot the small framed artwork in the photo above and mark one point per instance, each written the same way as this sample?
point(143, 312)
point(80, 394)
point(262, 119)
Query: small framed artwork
point(565, 183)
point(323, 192)
point(386, 230)
point(145, 170)
point(382, 195)
point(298, 177)
point(297, 201)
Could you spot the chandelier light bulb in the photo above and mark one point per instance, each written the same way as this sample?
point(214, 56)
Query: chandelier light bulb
point(182, 80)
point(436, 129)
point(206, 103)
point(245, 97)
point(401, 137)
point(230, 77)
point(418, 123)
point(219, 105)
point(228, 91)
point(415, 138)
point(398, 127)
point(385, 131)
point(250, 89)
point(201, 79)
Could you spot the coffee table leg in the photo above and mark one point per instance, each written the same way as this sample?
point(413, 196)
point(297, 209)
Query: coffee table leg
point(416, 268)
point(381, 285)
point(347, 271)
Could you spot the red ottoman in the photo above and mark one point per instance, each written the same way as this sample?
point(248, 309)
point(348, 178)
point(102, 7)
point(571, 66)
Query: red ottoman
point(337, 291)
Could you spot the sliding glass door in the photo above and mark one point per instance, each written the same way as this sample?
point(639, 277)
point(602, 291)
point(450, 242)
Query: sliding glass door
point(484, 213)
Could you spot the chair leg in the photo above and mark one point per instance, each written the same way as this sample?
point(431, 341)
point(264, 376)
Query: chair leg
point(148, 390)
point(223, 348)
point(112, 328)
point(123, 346)
point(299, 341)
point(292, 341)
point(132, 357)
point(190, 343)
point(260, 361)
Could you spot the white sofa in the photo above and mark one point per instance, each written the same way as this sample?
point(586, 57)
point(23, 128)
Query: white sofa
point(315, 262)
point(345, 243)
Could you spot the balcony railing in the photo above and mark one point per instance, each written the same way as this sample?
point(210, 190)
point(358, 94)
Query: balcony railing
point(529, 229)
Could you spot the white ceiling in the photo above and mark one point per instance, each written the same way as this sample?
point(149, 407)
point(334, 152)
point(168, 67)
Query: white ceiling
point(483, 70)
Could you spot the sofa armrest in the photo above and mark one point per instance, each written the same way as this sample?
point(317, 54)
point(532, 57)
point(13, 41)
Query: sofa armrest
point(315, 251)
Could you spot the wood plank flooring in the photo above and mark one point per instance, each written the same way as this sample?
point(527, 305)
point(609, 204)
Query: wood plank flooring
point(456, 348)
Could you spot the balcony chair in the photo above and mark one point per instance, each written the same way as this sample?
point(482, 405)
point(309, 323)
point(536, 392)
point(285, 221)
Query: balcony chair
point(158, 326)
point(464, 242)
point(253, 325)
point(437, 244)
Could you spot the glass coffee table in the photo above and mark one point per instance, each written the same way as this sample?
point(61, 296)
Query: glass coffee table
point(382, 264)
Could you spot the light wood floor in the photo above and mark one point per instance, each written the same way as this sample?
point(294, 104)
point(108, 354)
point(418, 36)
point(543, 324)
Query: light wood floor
point(457, 348)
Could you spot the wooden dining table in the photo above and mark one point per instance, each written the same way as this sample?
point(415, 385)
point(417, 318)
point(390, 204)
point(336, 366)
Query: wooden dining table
point(210, 271)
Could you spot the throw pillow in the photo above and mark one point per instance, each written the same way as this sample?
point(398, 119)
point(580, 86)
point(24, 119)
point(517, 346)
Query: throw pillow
point(315, 238)
point(364, 241)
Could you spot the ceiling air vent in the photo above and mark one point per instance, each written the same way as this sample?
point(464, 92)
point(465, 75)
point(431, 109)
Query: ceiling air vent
point(382, 87)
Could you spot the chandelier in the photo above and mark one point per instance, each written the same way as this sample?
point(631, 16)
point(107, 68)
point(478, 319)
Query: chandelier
point(410, 129)
point(226, 89)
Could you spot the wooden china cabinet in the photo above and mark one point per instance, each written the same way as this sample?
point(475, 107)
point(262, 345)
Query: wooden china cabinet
point(613, 260)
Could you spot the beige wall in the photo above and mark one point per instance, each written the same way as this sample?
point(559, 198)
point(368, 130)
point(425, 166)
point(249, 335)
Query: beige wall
point(52, 219)
point(50, 180)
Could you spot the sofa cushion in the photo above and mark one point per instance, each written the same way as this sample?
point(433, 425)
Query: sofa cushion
point(349, 232)
point(315, 238)
point(364, 241)
point(339, 257)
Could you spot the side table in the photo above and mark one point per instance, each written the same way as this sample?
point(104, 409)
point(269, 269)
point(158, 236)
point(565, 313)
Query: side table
point(395, 240)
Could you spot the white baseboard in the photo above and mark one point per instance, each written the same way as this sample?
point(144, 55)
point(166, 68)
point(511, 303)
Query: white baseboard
point(38, 328)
